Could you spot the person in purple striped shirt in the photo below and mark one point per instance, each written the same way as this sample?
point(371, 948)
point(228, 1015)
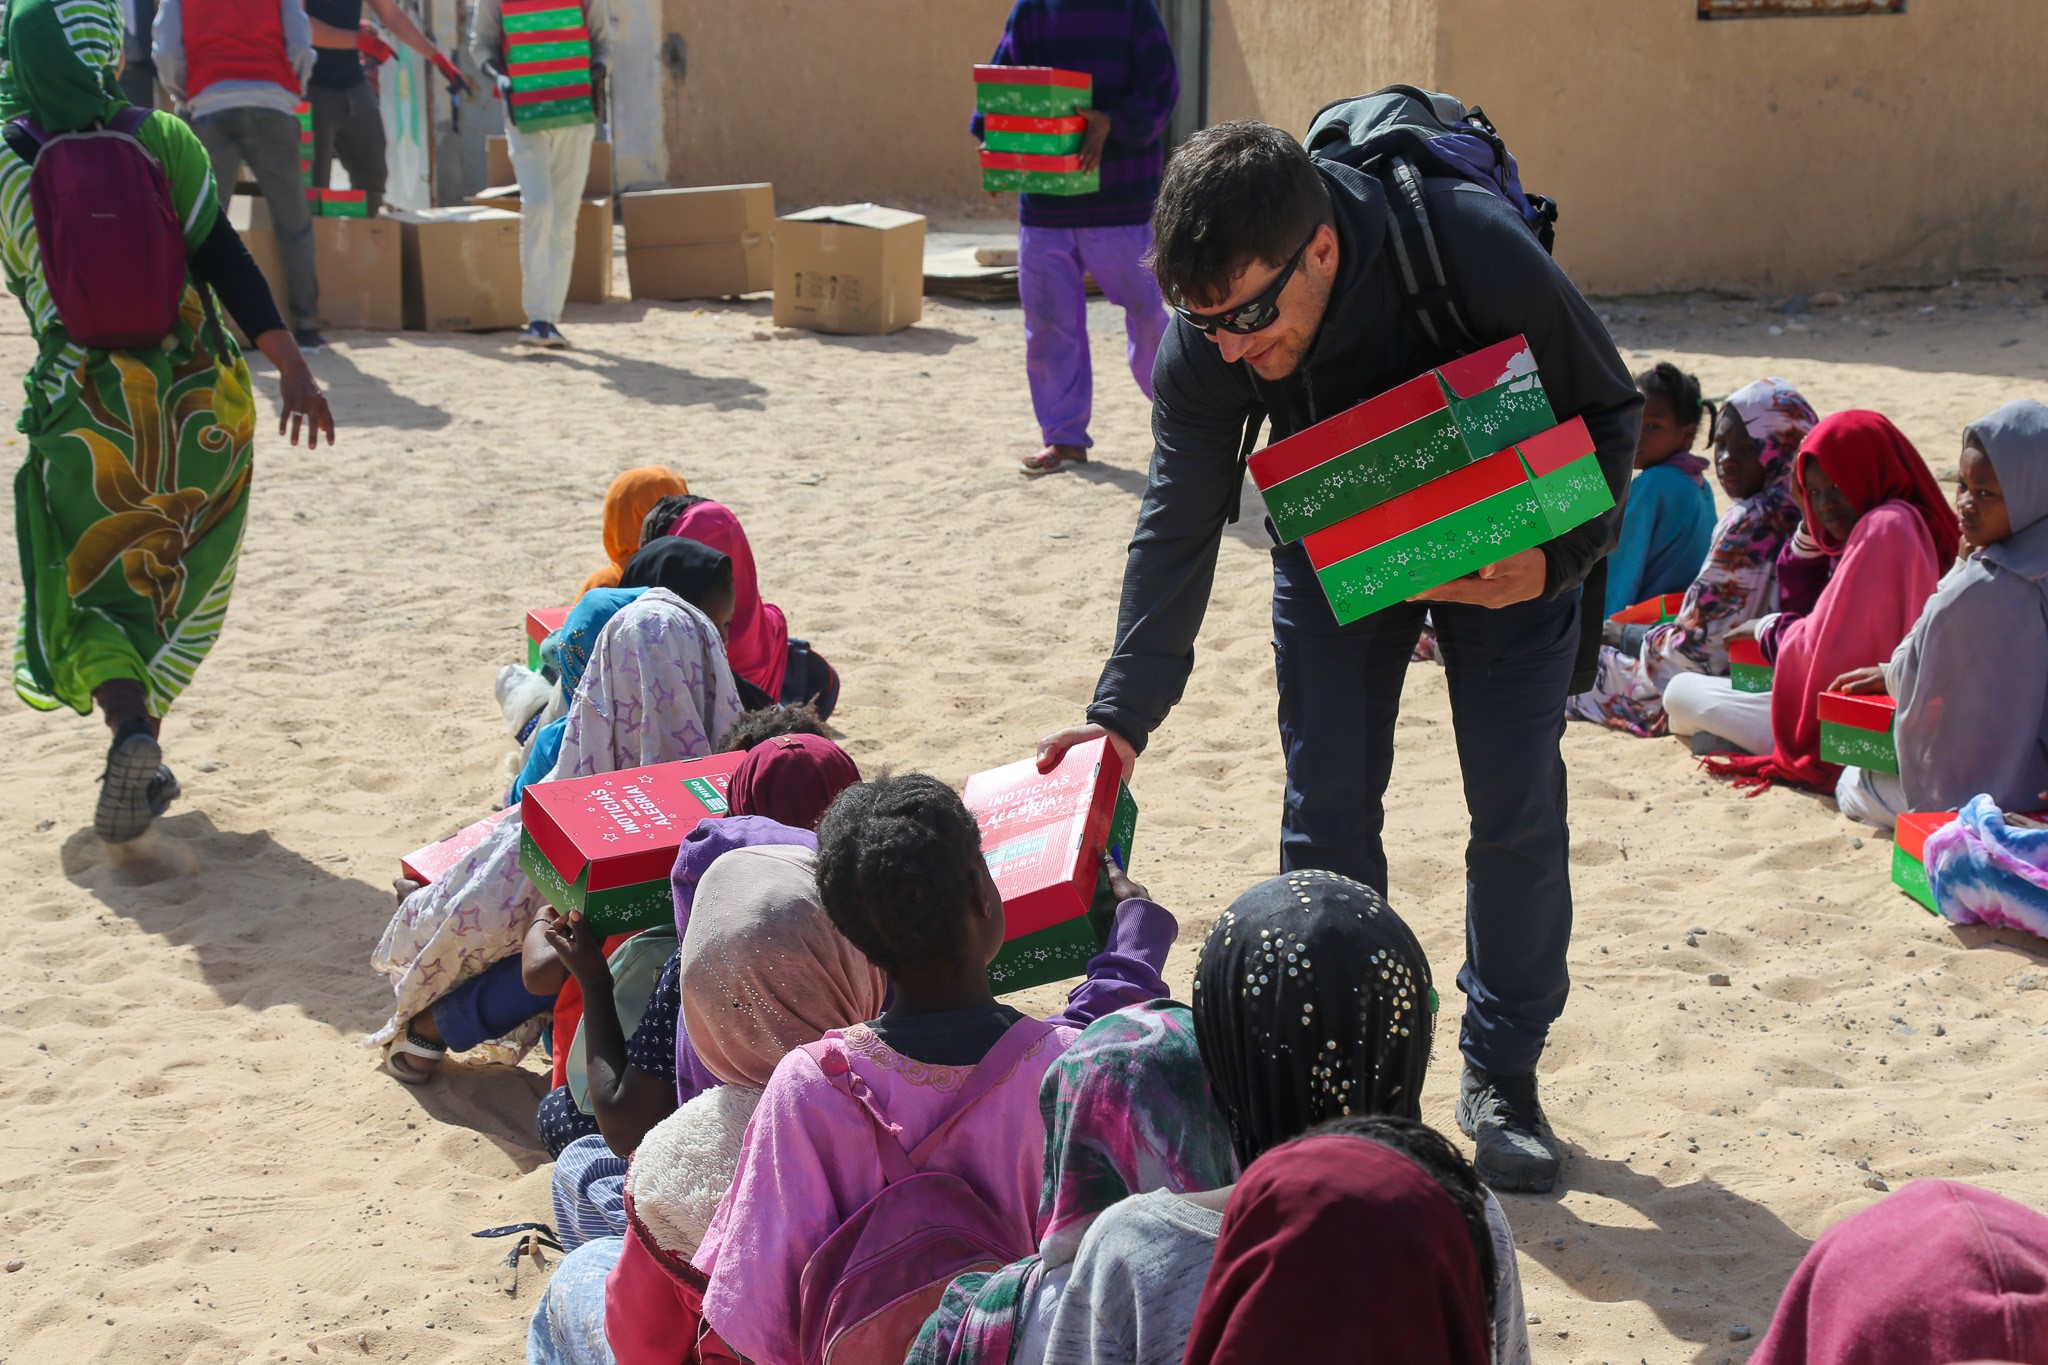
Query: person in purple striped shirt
point(1123, 45)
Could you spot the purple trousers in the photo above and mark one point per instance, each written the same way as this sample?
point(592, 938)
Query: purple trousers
point(1050, 265)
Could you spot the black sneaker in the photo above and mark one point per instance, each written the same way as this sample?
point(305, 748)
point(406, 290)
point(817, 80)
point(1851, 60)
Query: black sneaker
point(310, 341)
point(134, 765)
point(554, 341)
point(1517, 1152)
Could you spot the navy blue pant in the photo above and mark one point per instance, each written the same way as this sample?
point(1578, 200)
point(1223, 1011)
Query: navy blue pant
point(488, 1005)
point(1509, 670)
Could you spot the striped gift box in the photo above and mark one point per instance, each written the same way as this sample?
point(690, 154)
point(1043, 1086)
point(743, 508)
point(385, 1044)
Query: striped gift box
point(547, 56)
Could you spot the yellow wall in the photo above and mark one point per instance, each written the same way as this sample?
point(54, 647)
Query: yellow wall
point(833, 101)
point(1776, 154)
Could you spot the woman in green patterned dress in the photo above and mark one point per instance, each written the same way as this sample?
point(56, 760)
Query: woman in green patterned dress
point(129, 507)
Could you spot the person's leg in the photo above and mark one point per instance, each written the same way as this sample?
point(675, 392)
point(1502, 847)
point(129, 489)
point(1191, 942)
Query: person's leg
point(271, 144)
point(1115, 256)
point(359, 142)
point(217, 134)
point(551, 165)
point(1873, 798)
point(329, 108)
point(568, 1322)
point(589, 1190)
point(1340, 694)
point(1509, 671)
point(1697, 704)
point(1055, 334)
point(488, 1005)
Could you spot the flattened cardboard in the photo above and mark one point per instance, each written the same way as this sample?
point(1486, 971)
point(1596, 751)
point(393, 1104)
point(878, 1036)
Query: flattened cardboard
point(461, 269)
point(856, 269)
point(701, 243)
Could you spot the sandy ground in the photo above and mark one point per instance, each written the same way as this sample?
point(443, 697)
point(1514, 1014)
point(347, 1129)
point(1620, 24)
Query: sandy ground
point(201, 1164)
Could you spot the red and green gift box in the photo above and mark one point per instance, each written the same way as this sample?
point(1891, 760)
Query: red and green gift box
point(1043, 835)
point(338, 203)
point(1748, 670)
point(1856, 732)
point(1458, 523)
point(605, 844)
point(547, 57)
point(305, 117)
point(539, 625)
point(1404, 438)
point(1654, 612)
point(427, 865)
point(1032, 129)
point(1909, 853)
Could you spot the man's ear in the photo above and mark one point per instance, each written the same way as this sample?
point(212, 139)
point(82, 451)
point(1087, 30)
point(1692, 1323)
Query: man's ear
point(1322, 250)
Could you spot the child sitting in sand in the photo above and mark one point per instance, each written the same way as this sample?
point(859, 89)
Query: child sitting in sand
point(1313, 1001)
point(901, 874)
point(1756, 438)
point(627, 502)
point(1878, 535)
point(1972, 677)
point(1669, 521)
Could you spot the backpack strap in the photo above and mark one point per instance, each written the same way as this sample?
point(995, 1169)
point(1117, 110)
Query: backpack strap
point(1418, 265)
point(830, 1055)
point(130, 120)
point(1252, 423)
point(1023, 1035)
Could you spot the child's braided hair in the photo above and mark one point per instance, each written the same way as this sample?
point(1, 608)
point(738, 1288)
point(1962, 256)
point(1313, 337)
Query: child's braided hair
point(899, 865)
point(1681, 390)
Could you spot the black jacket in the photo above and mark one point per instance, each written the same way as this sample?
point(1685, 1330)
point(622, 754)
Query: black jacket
point(1505, 285)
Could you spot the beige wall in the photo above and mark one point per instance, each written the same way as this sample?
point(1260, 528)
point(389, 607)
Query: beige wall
point(831, 100)
point(1774, 154)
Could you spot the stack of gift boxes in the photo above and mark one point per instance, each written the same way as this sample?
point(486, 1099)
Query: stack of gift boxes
point(1032, 129)
point(547, 56)
point(1454, 470)
point(305, 113)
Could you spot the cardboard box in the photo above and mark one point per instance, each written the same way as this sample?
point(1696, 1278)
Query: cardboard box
point(1400, 440)
point(540, 624)
point(857, 269)
point(702, 243)
point(1746, 667)
point(597, 182)
point(1856, 732)
point(1033, 136)
point(1909, 854)
point(1654, 612)
point(605, 845)
point(1043, 833)
point(590, 268)
point(1023, 173)
point(1477, 515)
point(461, 269)
point(427, 865)
point(1064, 950)
point(1032, 91)
point(359, 262)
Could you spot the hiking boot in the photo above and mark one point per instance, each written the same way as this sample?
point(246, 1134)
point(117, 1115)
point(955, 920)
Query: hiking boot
point(134, 765)
point(1516, 1151)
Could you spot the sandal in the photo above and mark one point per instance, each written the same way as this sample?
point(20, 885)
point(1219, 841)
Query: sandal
point(397, 1058)
point(1051, 460)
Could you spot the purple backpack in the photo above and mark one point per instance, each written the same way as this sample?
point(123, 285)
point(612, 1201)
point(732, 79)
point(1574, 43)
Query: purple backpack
point(870, 1287)
point(112, 248)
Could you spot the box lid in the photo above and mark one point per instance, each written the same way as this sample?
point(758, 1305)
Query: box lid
point(1032, 75)
point(1348, 430)
point(1397, 516)
point(429, 863)
point(1498, 364)
point(457, 213)
point(1038, 829)
point(545, 621)
point(1024, 123)
point(1858, 712)
point(1748, 652)
point(1915, 826)
point(624, 827)
point(1031, 161)
point(1549, 451)
point(855, 215)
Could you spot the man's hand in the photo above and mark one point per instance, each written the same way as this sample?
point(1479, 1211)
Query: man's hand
point(1092, 140)
point(458, 84)
point(1054, 746)
point(1861, 682)
point(1518, 578)
point(580, 949)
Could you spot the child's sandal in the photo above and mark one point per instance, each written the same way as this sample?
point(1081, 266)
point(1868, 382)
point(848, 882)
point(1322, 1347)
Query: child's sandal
point(397, 1058)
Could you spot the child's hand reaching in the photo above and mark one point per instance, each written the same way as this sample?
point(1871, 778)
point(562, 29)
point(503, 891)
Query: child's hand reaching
point(1861, 682)
point(580, 948)
point(1120, 884)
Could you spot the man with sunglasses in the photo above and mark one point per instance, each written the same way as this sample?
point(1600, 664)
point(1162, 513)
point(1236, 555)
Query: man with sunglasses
point(1288, 303)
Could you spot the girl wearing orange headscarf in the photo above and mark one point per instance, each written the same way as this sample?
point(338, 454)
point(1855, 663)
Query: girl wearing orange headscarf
point(626, 505)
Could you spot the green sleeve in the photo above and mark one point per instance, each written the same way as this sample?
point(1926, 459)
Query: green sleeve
point(171, 140)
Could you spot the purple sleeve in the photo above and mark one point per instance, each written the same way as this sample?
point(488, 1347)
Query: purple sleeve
point(1127, 970)
point(1138, 119)
point(1800, 579)
point(1002, 57)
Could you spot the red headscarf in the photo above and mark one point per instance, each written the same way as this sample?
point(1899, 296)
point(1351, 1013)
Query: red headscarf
point(1872, 462)
point(792, 779)
point(1337, 1248)
point(757, 641)
point(1938, 1272)
point(1883, 575)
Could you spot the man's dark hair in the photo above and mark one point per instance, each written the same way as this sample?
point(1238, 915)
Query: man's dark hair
point(899, 867)
point(1442, 1162)
point(768, 722)
point(1234, 193)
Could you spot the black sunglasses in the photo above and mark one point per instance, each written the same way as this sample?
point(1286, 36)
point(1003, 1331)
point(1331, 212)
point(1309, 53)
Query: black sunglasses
point(1253, 315)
